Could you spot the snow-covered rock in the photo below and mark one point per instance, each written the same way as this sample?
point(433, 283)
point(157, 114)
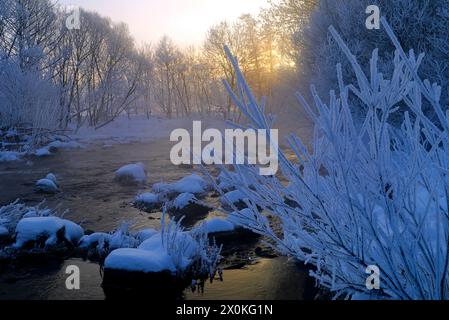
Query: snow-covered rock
point(217, 225)
point(191, 184)
point(183, 200)
point(131, 173)
point(148, 201)
point(152, 256)
point(94, 239)
point(9, 156)
point(47, 185)
point(56, 145)
point(32, 229)
point(122, 239)
point(11, 214)
point(186, 247)
point(52, 177)
point(236, 197)
point(154, 243)
point(186, 204)
point(3, 231)
point(137, 260)
point(43, 152)
point(145, 234)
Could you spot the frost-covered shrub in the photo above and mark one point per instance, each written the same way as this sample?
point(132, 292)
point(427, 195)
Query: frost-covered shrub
point(99, 245)
point(11, 214)
point(172, 249)
point(28, 102)
point(36, 228)
point(420, 25)
point(191, 250)
point(364, 195)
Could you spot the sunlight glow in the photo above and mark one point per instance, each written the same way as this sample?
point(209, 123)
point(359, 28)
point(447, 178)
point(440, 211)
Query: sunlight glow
point(185, 21)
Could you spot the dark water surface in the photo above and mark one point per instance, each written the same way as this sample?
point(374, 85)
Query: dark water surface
point(93, 199)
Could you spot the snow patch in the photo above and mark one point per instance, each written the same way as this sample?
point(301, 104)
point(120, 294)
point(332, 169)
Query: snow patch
point(190, 184)
point(132, 173)
point(183, 200)
point(136, 260)
point(9, 156)
point(145, 234)
point(94, 238)
point(148, 199)
point(48, 184)
point(42, 152)
point(217, 225)
point(30, 229)
point(58, 144)
point(3, 231)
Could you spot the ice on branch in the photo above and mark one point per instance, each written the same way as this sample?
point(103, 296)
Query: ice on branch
point(363, 194)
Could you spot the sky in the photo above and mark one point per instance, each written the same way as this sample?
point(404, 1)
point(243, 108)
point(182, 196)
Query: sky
point(185, 21)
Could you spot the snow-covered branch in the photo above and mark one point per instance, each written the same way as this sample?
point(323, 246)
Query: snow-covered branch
point(360, 195)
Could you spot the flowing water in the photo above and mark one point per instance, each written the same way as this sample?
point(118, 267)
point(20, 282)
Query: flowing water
point(92, 198)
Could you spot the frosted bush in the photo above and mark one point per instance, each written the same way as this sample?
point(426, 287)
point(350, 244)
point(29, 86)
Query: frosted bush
point(421, 25)
point(28, 103)
point(203, 256)
point(364, 195)
point(11, 214)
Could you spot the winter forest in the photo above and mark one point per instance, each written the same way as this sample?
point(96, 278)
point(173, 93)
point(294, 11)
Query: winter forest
point(93, 207)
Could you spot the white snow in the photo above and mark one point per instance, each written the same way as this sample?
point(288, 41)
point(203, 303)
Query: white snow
point(121, 239)
point(132, 172)
point(29, 229)
point(190, 184)
point(3, 231)
point(148, 198)
point(151, 255)
point(155, 243)
point(241, 217)
point(183, 200)
point(186, 247)
point(97, 237)
point(58, 144)
point(47, 185)
point(137, 260)
point(216, 225)
point(233, 197)
point(7, 156)
point(52, 177)
point(43, 152)
point(145, 234)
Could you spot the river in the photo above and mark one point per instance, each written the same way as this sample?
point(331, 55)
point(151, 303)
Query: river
point(90, 196)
